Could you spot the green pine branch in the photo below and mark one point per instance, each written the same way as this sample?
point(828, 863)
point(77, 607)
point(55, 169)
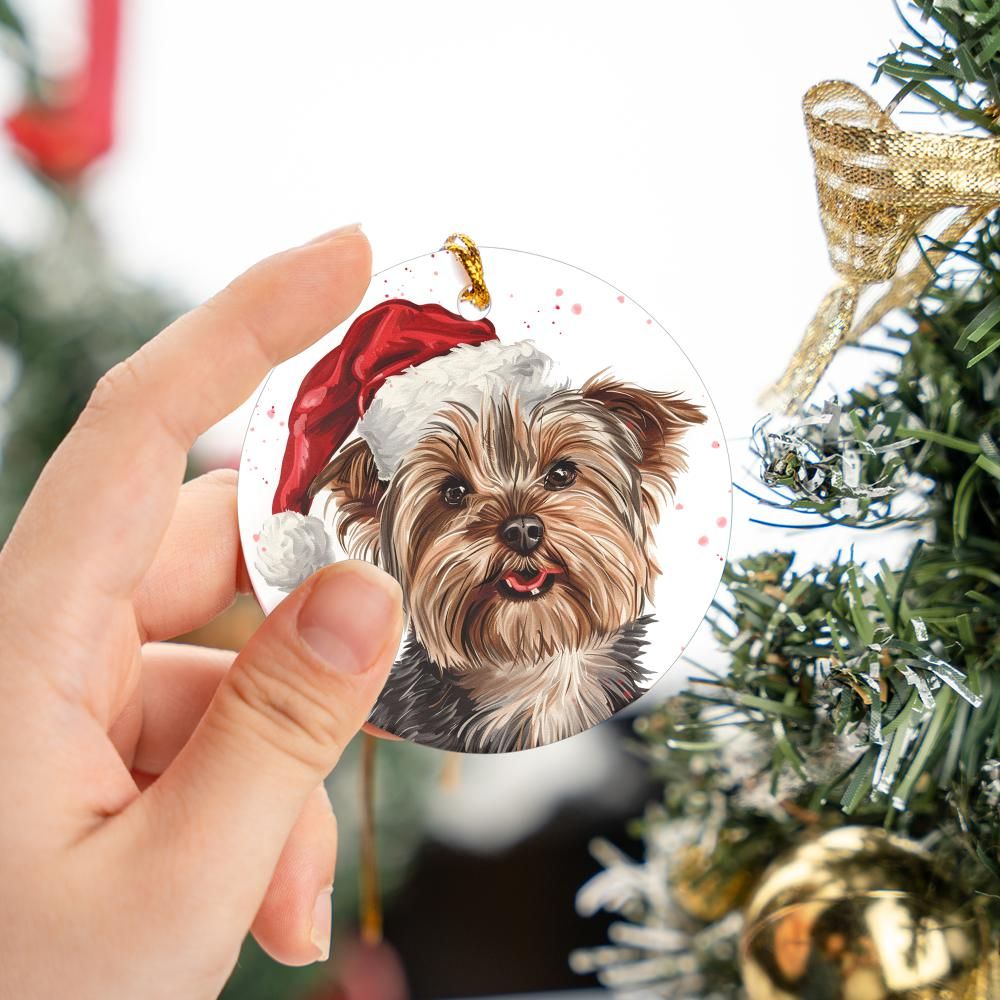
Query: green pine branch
point(951, 60)
point(865, 694)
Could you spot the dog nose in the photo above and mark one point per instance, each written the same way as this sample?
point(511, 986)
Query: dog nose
point(522, 533)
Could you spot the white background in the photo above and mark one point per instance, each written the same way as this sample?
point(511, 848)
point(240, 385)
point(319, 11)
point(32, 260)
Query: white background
point(658, 145)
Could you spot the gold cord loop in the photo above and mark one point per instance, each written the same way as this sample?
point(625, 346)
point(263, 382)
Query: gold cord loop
point(467, 252)
point(370, 897)
point(878, 187)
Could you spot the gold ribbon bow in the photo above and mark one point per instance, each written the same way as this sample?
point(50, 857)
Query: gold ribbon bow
point(878, 186)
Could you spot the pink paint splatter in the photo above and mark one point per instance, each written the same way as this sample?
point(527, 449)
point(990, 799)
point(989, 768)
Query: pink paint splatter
point(679, 506)
point(649, 322)
point(558, 306)
point(715, 444)
point(722, 522)
point(703, 540)
point(270, 413)
point(559, 291)
point(576, 309)
point(621, 298)
point(256, 536)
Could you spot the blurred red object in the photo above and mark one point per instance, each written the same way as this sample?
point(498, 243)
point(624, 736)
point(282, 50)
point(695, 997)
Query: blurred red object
point(64, 136)
point(366, 972)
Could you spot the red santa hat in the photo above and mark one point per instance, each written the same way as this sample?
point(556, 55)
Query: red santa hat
point(397, 365)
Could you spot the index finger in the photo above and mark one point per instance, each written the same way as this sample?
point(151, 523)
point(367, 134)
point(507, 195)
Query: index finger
point(102, 504)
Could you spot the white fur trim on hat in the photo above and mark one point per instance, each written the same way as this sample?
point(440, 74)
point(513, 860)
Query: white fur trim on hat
point(290, 548)
point(468, 374)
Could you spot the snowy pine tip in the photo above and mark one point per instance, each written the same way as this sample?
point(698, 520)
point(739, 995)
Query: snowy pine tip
point(290, 548)
point(469, 374)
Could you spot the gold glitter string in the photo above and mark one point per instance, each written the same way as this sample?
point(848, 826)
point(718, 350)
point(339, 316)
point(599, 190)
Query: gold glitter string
point(878, 187)
point(467, 253)
point(371, 901)
point(370, 895)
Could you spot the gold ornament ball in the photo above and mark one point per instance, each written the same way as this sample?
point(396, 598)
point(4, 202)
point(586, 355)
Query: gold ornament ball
point(859, 914)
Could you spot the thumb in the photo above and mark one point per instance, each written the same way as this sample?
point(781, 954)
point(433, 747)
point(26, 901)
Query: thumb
point(300, 690)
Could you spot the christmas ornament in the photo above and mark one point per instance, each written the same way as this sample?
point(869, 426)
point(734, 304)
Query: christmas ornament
point(528, 476)
point(878, 186)
point(859, 914)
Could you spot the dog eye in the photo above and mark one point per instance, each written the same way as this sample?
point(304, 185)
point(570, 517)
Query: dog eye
point(561, 475)
point(454, 492)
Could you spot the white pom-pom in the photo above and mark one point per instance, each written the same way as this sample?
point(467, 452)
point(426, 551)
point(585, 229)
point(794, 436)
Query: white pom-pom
point(290, 548)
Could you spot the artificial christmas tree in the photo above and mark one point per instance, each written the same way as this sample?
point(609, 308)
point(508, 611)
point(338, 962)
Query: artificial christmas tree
point(856, 696)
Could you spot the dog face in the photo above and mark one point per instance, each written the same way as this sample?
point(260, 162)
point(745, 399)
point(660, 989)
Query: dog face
point(518, 535)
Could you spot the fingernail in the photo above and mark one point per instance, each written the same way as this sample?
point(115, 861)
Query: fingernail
point(333, 234)
point(322, 923)
point(349, 615)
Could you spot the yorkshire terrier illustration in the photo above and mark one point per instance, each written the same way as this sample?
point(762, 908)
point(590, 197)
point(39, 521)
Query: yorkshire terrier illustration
point(515, 511)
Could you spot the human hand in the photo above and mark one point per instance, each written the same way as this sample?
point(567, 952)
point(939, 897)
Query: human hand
point(116, 885)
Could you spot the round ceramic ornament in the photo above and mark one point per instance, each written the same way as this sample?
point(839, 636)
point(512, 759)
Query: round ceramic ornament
point(535, 461)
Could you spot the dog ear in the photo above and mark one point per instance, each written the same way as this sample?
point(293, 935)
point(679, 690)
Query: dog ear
point(351, 477)
point(658, 420)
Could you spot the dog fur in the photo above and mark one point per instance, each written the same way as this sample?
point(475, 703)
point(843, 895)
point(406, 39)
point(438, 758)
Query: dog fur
point(489, 665)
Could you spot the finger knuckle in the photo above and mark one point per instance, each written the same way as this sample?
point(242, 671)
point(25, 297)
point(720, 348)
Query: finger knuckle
point(223, 479)
point(124, 392)
point(116, 385)
point(290, 712)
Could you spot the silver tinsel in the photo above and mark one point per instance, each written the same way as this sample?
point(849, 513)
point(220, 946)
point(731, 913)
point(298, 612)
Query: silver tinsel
point(824, 459)
point(991, 783)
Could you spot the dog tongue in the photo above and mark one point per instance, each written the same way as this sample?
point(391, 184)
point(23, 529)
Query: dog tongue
point(517, 582)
